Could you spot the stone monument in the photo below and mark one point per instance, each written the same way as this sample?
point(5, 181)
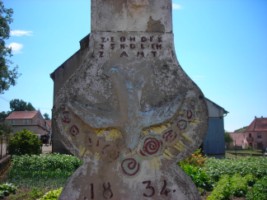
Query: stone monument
point(128, 110)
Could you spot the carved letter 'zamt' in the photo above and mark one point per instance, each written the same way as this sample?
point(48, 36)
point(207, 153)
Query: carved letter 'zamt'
point(129, 111)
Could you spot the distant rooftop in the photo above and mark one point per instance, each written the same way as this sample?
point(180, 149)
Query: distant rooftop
point(22, 115)
point(258, 124)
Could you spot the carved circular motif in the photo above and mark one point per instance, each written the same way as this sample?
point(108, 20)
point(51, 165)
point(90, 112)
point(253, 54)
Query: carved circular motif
point(182, 124)
point(74, 130)
point(151, 146)
point(130, 166)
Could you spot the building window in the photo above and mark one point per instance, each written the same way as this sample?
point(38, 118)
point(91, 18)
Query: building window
point(259, 145)
point(259, 135)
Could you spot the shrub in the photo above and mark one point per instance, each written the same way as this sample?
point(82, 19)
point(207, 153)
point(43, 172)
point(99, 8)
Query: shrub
point(259, 190)
point(52, 195)
point(24, 142)
point(196, 159)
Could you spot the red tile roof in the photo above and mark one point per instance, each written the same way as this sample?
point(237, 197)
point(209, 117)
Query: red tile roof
point(22, 115)
point(258, 124)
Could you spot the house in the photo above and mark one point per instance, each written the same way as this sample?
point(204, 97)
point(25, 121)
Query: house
point(214, 144)
point(254, 136)
point(30, 120)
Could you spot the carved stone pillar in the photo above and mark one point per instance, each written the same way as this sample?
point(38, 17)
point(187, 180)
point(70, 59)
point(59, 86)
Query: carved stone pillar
point(129, 110)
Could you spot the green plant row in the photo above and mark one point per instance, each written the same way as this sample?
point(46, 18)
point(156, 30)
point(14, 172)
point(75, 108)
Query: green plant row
point(222, 189)
point(238, 186)
point(215, 168)
point(52, 195)
point(198, 176)
point(259, 190)
point(42, 169)
point(45, 162)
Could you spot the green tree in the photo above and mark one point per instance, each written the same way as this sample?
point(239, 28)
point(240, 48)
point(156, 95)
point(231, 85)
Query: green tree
point(227, 138)
point(5, 130)
point(46, 116)
point(20, 105)
point(8, 75)
point(3, 115)
point(24, 142)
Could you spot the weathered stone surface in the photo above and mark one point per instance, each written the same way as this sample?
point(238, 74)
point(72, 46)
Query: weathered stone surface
point(129, 110)
point(131, 15)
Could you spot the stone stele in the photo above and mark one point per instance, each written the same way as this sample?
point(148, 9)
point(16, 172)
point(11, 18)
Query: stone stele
point(129, 111)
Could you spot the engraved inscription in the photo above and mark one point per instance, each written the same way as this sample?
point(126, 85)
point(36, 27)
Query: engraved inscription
point(139, 46)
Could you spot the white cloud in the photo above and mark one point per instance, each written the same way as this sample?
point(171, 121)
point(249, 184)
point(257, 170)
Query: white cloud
point(176, 6)
point(20, 33)
point(16, 47)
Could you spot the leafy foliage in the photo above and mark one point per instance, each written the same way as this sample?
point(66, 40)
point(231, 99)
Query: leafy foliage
point(222, 189)
point(229, 177)
point(20, 105)
point(259, 190)
point(46, 116)
point(3, 115)
point(5, 129)
point(196, 159)
point(239, 186)
point(43, 170)
point(24, 142)
point(6, 189)
point(8, 75)
point(227, 138)
point(198, 176)
point(36, 193)
point(52, 195)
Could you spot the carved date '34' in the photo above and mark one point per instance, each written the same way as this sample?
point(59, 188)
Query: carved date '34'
point(150, 189)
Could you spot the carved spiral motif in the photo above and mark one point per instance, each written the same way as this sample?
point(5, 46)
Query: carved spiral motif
point(151, 146)
point(169, 136)
point(74, 130)
point(130, 166)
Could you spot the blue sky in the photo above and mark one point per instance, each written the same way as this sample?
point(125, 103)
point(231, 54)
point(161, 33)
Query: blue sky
point(221, 44)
